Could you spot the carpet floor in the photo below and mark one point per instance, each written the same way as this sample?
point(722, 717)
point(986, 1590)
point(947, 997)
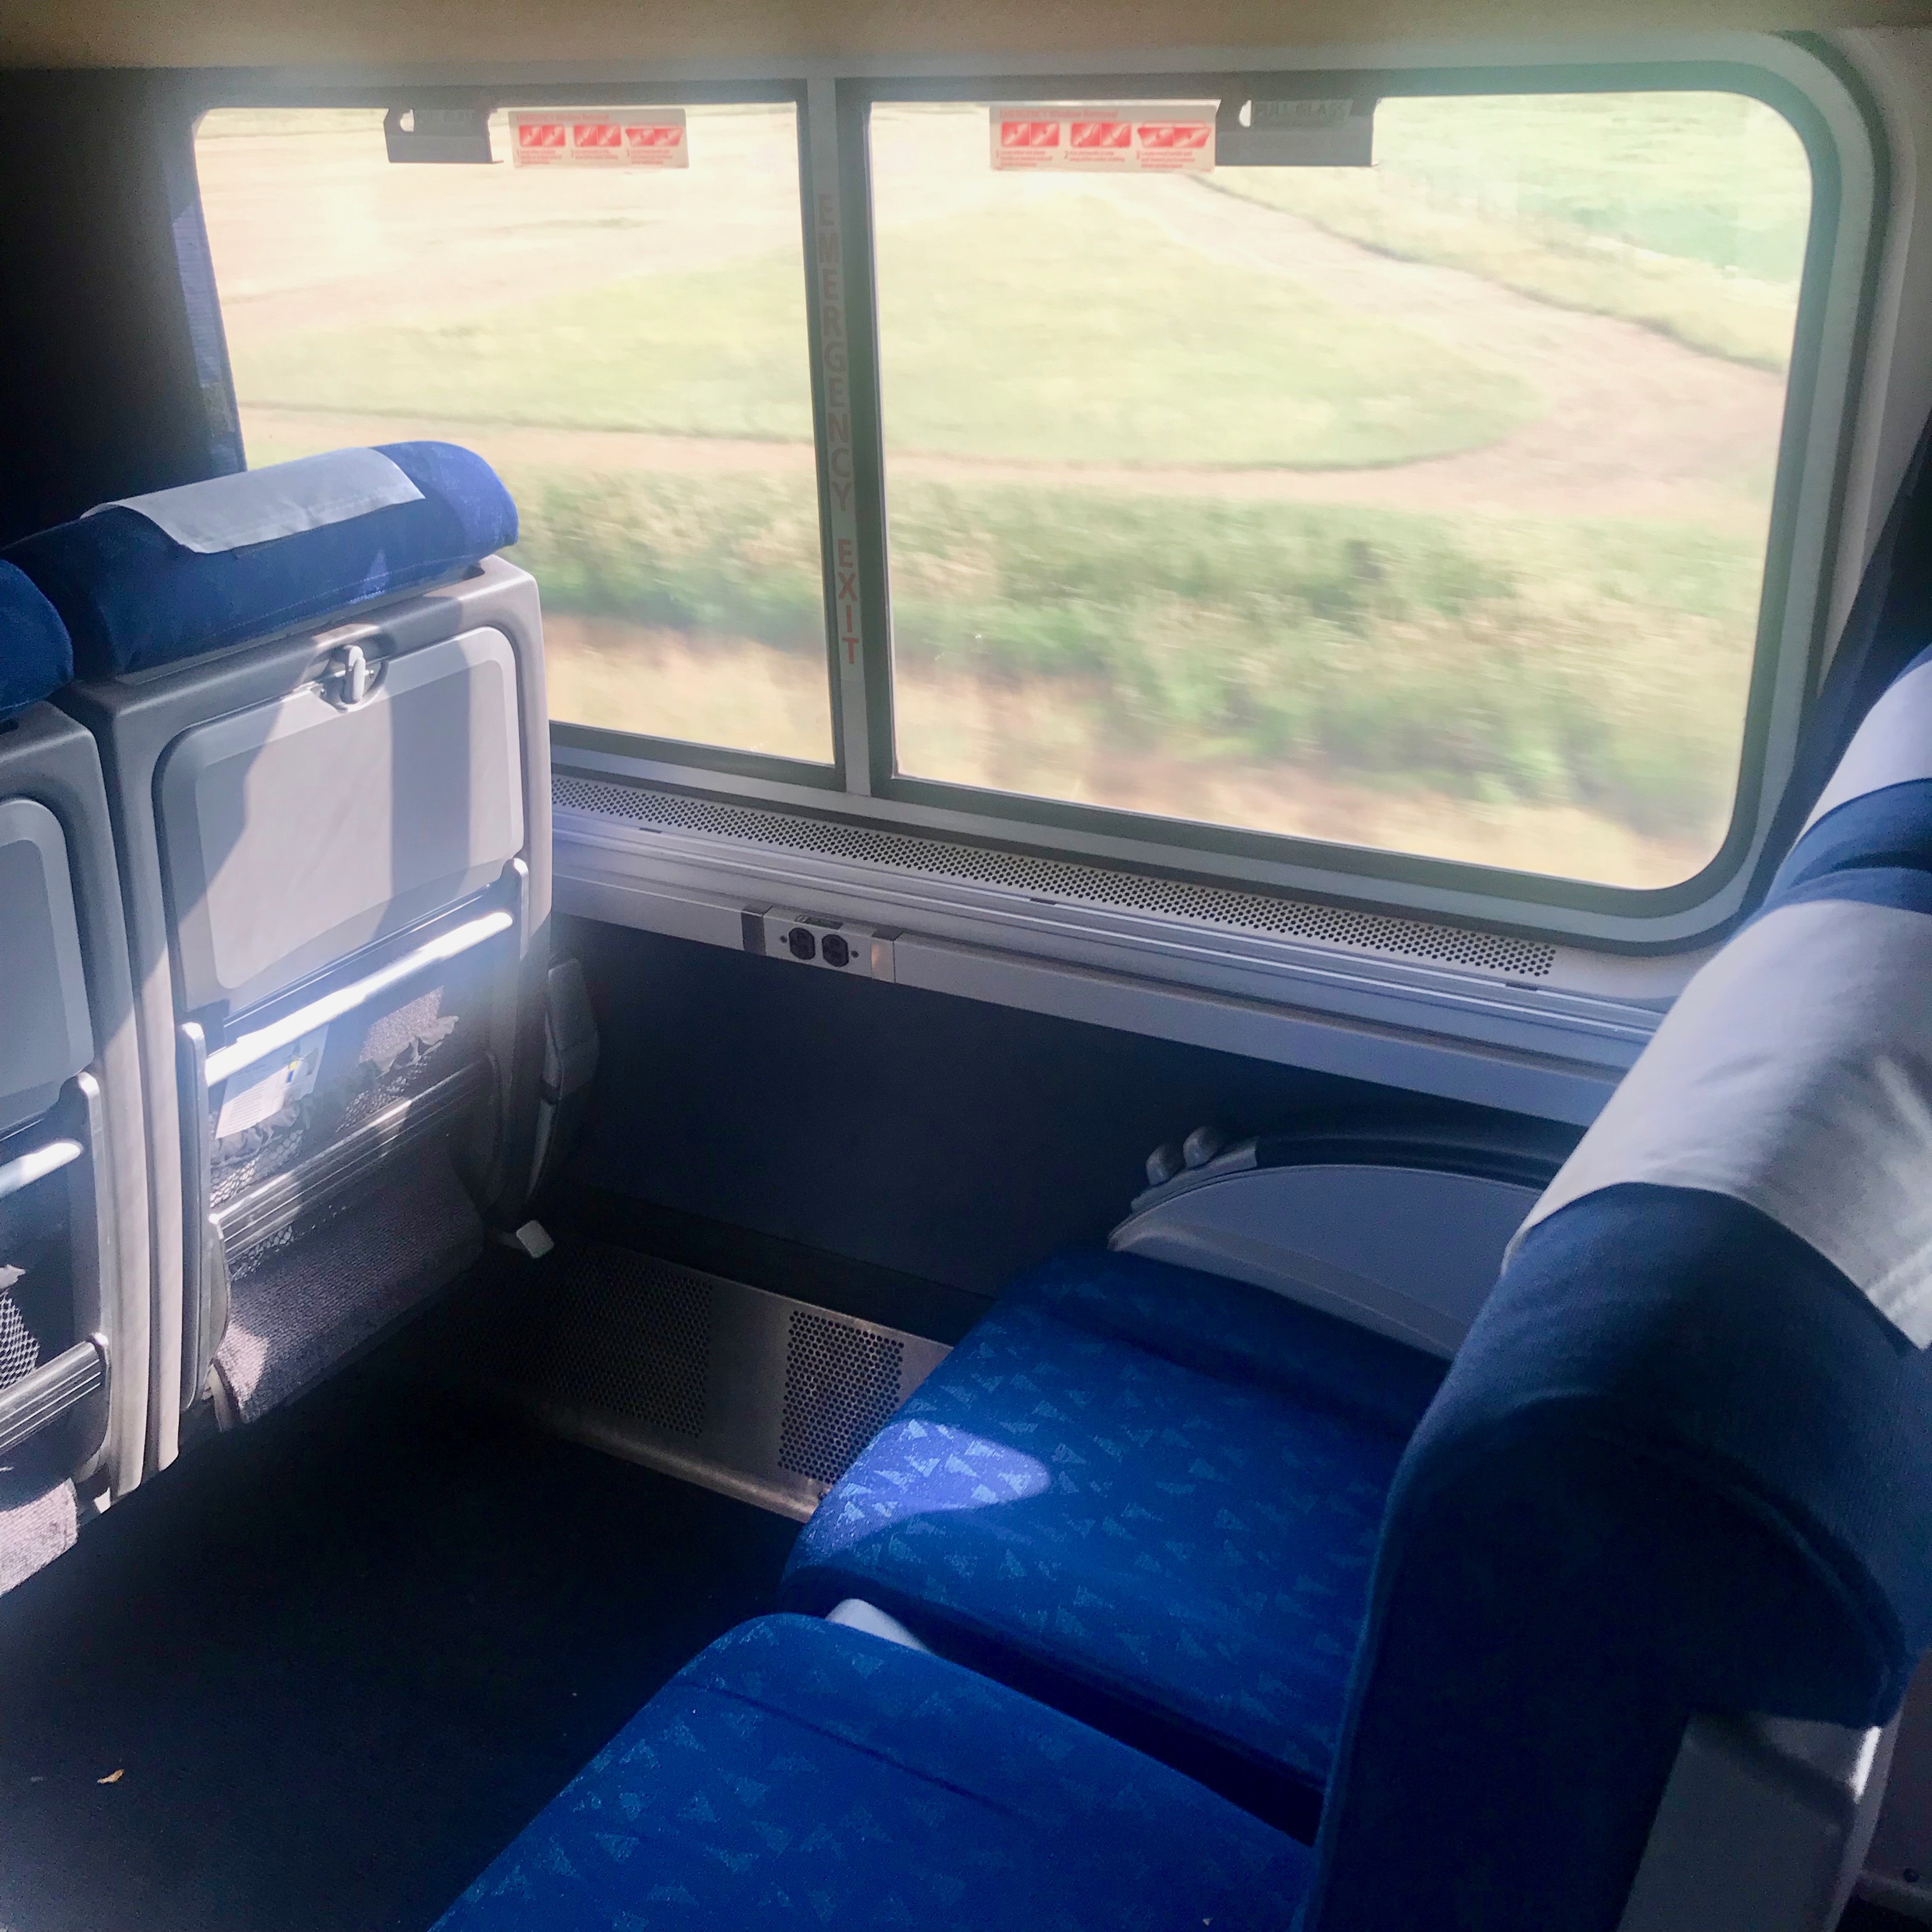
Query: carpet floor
point(314, 1677)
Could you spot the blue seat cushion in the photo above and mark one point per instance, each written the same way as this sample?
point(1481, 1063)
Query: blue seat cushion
point(132, 597)
point(800, 1774)
point(36, 658)
point(1149, 1496)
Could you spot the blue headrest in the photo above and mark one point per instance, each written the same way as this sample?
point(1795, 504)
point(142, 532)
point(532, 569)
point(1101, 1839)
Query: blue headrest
point(1875, 812)
point(1681, 1465)
point(36, 658)
point(133, 596)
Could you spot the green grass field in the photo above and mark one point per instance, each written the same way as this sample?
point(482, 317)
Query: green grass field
point(1404, 652)
point(990, 348)
point(993, 326)
point(1686, 212)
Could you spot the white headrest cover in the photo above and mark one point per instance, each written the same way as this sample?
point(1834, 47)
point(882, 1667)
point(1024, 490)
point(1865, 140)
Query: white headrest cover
point(256, 505)
point(1794, 1074)
point(1893, 745)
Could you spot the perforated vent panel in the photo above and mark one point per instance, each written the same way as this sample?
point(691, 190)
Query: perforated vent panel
point(1060, 879)
point(741, 1388)
point(841, 1383)
point(632, 1338)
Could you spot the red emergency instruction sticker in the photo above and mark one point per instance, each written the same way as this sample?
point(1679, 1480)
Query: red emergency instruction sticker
point(1019, 142)
point(1175, 144)
point(599, 137)
point(1162, 137)
point(655, 144)
point(598, 141)
point(539, 143)
point(1106, 137)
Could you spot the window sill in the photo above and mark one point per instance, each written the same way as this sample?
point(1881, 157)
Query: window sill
point(1549, 1049)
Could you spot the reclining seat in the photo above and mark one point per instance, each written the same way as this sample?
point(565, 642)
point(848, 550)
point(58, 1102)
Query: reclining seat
point(1680, 1475)
point(319, 704)
point(1655, 1569)
point(1147, 1487)
point(73, 1210)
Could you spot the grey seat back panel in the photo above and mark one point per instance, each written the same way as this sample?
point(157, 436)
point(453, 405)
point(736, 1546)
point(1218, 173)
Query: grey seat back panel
point(135, 721)
point(296, 831)
point(45, 1038)
point(49, 761)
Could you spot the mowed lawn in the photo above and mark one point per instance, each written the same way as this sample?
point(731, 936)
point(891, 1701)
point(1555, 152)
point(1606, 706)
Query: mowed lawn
point(1687, 212)
point(1065, 329)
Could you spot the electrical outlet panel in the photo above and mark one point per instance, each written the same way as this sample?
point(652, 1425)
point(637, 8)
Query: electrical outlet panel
point(813, 939)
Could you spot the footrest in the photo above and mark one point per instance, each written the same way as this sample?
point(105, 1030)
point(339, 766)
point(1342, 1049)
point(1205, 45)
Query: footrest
point(34, 1530)
point(29, 1405)
point(312, 1185)
point(302, 1309)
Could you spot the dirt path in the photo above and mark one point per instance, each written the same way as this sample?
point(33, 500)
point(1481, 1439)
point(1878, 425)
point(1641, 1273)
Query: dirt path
point(1497, 481)
point(1634, 424)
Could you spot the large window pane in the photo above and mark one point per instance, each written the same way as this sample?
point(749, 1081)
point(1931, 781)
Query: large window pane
point(1421, 506)
point(627, 346)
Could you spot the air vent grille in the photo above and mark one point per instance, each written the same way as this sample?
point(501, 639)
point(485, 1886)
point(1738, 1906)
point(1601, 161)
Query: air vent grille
point(632, 1338)
point(841, 1383)
point(746, 1390)
point(1061, 879)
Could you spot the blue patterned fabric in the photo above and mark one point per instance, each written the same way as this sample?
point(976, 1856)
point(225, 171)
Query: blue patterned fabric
point(1149, 1496)
point(799, 1774)
point(36, 658)
point(1680, 1464)
point(132, 597)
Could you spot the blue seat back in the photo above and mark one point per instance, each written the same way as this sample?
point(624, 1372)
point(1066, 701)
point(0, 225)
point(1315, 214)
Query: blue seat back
point(134, 596)
point(1869, 837)
point(36, 658)
point(1683, 1463)
point(301, 782)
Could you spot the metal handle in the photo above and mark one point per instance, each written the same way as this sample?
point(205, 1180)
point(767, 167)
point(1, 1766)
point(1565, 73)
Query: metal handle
point(250, 1047)
point(245, 1222)
point(28, 1406)
point(197, 1159)
point(36, 1164)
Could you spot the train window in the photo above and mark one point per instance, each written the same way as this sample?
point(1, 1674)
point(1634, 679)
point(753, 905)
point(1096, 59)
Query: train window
point(1420, 505)
point(1422, 487)
point(625, 340)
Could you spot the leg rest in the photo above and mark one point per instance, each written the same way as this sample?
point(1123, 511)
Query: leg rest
point(799, 1773)
point(1150, 1497)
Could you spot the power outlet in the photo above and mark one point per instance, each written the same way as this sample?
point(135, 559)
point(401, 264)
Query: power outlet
point(812, 939)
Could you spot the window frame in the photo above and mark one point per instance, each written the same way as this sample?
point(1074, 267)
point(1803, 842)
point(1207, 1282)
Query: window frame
point(723, 760)
point(1804, 79)
point(1750, 804)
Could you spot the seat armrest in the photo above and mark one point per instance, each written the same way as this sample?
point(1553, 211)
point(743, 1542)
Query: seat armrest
point(1762, 1826)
